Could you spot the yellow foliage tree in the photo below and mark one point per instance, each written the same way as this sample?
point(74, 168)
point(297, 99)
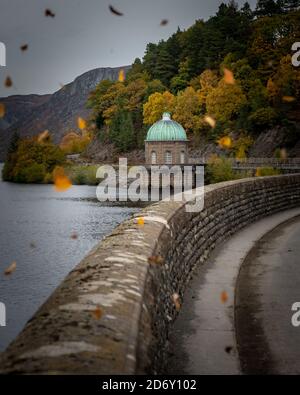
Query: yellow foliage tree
point(225, 101)
point(157, 104)
point(187, 108)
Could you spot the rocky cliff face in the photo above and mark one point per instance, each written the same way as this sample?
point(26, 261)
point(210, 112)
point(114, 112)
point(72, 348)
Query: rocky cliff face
point(31, 114)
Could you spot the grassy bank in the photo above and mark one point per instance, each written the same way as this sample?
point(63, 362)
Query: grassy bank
point(82, 175)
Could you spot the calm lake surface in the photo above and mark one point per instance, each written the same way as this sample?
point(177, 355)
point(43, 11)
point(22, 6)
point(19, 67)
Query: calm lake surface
point(36, 224)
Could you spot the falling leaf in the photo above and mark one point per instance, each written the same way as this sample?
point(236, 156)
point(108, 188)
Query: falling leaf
point(24, 47)
point(228, 77)
point(156, 259)
point(32, 244)
point(81, 123)
point(97, 313)
point(8, 82)
point(49, 13)
point(288, 99)
point(283, 153)
point(228, 349)
point(42, 137)
point(61, 181)
point(140, 221)
point(164, 22)
point(225, 142)
point(113, 10)
point(210, 121)
point(258, 172)
point(11, 268)
point(121, 77)
point(74, 236)
point(176, 301)
point(224, 297)
point(2, 110)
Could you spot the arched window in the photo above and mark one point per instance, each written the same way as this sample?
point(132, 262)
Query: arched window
point(182, 157)
point(153, 157)
point(168, 157)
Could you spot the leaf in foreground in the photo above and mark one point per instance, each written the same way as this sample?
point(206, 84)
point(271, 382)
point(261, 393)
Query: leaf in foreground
point(225, 142)
point(11, 268)
point(74, 236)
point(121, 77)
point(42, 137)
point(228, 77)
point(61, 182)
point(49, 13)
point(288, 99)
point(8, 82)
point(176, 301)
point(156, 260)
point(114, 11)
point(81, 123)
point(224, 297)
point(208, 119)
point(140, 221)
point(2, 110)
point(164, 22)
point(97, 313)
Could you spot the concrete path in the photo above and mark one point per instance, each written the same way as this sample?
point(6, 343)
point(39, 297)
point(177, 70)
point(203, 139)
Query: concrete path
point(268, 285)
point(203, 339)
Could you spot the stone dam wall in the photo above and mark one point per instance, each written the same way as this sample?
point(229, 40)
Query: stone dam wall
point(112, 313)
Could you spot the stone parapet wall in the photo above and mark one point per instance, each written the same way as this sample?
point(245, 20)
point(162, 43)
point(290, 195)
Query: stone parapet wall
point(112, 313)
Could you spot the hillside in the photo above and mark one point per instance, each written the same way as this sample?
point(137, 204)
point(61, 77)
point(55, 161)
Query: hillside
point(58, 113)
point(229, 78)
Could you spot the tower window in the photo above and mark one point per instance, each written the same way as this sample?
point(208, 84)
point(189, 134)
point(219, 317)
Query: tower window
point(153, 157)
point(168, 157)
point(182, 157)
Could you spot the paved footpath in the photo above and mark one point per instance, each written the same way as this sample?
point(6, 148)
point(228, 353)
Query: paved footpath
point(205, 339)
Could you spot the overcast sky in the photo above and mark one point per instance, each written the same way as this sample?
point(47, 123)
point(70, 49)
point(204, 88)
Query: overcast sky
point(84, 35)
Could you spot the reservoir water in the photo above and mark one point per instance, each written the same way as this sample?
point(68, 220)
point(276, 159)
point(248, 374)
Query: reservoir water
point(46, 233)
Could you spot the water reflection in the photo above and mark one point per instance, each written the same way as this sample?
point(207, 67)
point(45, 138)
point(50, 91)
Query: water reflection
point(36, 231)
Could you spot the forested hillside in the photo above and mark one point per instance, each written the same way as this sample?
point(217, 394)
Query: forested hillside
point(231, 75)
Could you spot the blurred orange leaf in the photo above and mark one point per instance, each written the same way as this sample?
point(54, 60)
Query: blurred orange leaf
point(228, 77)
point(176, 301)
point(97, 313)
point(258, 172)
point(121, 77)
point(210, 121)
point(61, 181)
point(288, 99)
point(43, 136)
point(225, 142)
point(224, 297)
point(2, 110)
point(81, 123)
point(156, 259)
point(140, 221)
point(11, 268)
point(8, 82)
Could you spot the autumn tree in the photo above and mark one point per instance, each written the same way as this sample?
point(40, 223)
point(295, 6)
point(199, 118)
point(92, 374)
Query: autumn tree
point(187, 109)
point(156, 105)
point(225, 101)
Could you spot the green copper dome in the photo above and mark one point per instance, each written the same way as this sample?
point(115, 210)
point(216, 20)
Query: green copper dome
point(166, 130)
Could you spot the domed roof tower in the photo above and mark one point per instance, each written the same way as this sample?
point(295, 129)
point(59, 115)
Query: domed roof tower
point(166, 142)
point(166, 130)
